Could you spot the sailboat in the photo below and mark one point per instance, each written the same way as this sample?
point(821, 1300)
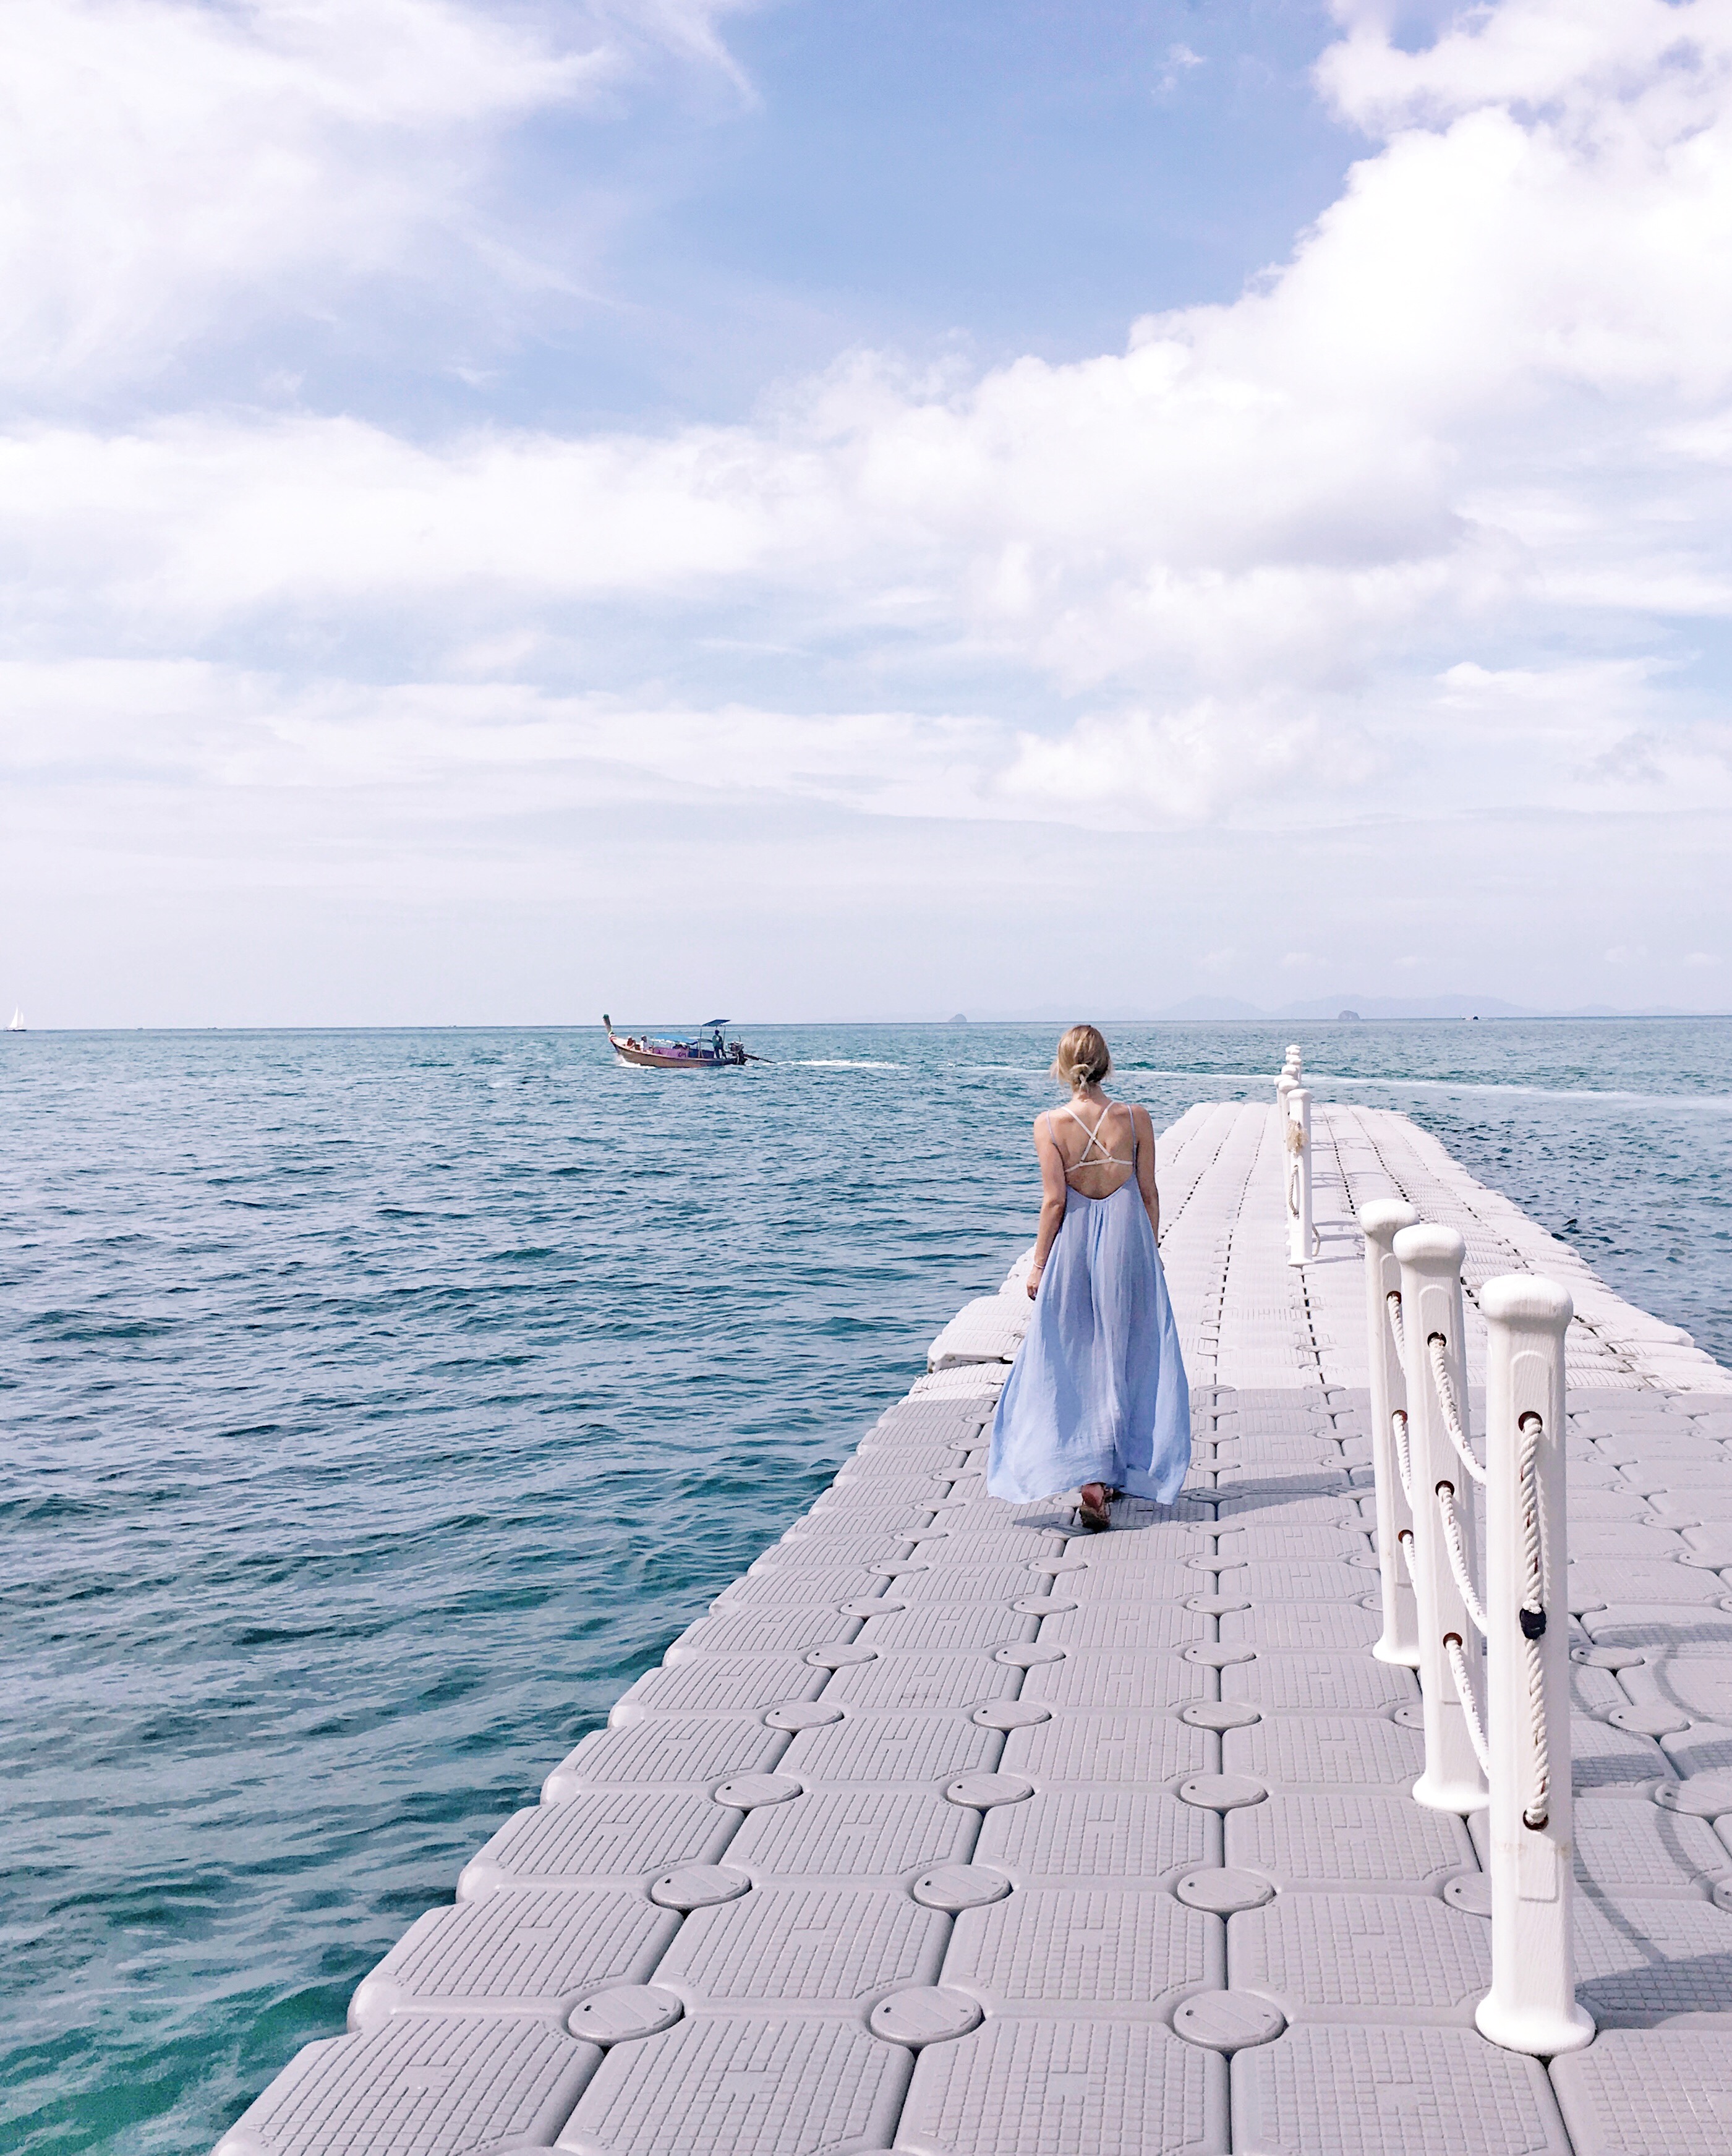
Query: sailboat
point(17, 1020)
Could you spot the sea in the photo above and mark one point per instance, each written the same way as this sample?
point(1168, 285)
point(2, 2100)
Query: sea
point(377, 1404)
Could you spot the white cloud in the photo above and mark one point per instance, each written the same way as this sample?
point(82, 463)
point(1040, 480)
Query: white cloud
point(1413, 525)
point(168, 167)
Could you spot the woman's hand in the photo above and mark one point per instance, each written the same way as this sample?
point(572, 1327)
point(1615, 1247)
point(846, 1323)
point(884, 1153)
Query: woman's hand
point(1034, 1283)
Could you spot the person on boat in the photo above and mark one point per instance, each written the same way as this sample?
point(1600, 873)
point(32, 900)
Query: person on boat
point(1098, 1397)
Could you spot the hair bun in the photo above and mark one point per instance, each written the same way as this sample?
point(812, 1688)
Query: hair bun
point(1083, 1057)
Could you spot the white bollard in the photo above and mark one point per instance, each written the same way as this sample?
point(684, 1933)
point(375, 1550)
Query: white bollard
point(1431, 1307)
point(1381, 1223)
point(1532, 2005)
point(1295, 1062)
point(1303, 1239)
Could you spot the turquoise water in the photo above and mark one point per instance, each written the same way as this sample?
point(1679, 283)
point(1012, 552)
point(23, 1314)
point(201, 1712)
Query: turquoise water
point(377, 1405)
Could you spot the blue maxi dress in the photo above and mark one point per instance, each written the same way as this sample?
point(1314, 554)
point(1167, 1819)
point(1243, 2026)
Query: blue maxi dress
point(1097, 1393)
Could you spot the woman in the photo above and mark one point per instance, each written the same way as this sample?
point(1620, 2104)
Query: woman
point(1097, 1397)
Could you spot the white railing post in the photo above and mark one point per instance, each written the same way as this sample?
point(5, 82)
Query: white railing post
point(1302, 1240)
point(1381, 1223)
point(1432, 1311)
point(1532, 2005)
point(1295, 1061)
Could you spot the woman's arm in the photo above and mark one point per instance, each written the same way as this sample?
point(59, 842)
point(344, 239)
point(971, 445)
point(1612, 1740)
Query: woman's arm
point(1143, 1125)
point(1052, 1200)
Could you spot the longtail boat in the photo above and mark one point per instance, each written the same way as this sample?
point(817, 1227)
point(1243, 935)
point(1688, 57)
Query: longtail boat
point(644, 1054)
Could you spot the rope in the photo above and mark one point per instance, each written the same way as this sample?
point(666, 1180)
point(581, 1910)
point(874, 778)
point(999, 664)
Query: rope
point(1464, 1692)
point(1404, 1458)
point(1392, 1305)
point(1404, 1541)
point(1457, 1554)
point(1532, 1617)
point(1438, 1348)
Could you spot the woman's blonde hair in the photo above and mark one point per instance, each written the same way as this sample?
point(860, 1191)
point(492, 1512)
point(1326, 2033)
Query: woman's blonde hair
point(1084, 1057)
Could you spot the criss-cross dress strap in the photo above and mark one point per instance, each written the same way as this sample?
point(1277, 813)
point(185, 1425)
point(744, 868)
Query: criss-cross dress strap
point(1104, 1158)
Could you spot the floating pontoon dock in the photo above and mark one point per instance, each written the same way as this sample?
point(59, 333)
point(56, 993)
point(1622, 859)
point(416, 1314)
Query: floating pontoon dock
point(952, 1831)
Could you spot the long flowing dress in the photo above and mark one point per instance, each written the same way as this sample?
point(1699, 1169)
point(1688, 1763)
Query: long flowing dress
point(1097, 1393)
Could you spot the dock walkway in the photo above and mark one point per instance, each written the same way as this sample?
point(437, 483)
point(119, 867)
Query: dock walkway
point(951, 1831)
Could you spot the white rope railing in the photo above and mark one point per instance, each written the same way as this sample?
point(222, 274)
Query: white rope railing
point(1532, 2006)
point(1531, 1615)
point(1440, 1484)
point(1391, 1447)
point(1455, 1650)
point(1403, 1453)
point(1491, 1716)
point(1437, 1353)
point(1455, 1548)
point(1303, 1241)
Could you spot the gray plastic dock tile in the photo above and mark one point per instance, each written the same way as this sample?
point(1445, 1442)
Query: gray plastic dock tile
point(872, 1545)
point(1298, 1579)
point(1240, 1508)
point(1659, 1630)
point(1117, 1676)
point(1606, 1762)
point(956, 1421)
point(601, 1833)
point(761, 1632)
point(914, 1678)
point(924, 1749)
point(1325, 1752)
point(1320, 2091)
point(1122, 1836)
point(1269, 1541)
point(814, 1944)
point(1160, 1543)
point(1363, 1957)
point(665, 1748)
point(1705, 1747)
point(1649, 2093)
point(954, 1583)
point(1602, 1579)
point(1335, 1627)
point(940, 1624)
point(1101, 1946)
point(804, 1591)
point(1130, 1745)
point(1143, 1625)
point(1029, 2086)
point(1639, 1850)
point(1700, 1686)
point(1150, 1578)
point(737, 2085)
point(912, 1456)
point(1349, 1839)
point(718, 1684)
point(859, 1833)
point(424, 2085)
point(1638, 1963)
point(521, 1950)
point(1321, 1683)
point(1617, 1539)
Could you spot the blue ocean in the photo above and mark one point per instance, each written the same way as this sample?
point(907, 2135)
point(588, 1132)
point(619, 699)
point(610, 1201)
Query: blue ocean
point(378, 1405)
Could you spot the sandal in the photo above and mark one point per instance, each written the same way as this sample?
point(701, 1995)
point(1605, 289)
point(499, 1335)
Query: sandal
point(1097, 1518)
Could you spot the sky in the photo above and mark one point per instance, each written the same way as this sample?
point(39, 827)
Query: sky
point(866, 509)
